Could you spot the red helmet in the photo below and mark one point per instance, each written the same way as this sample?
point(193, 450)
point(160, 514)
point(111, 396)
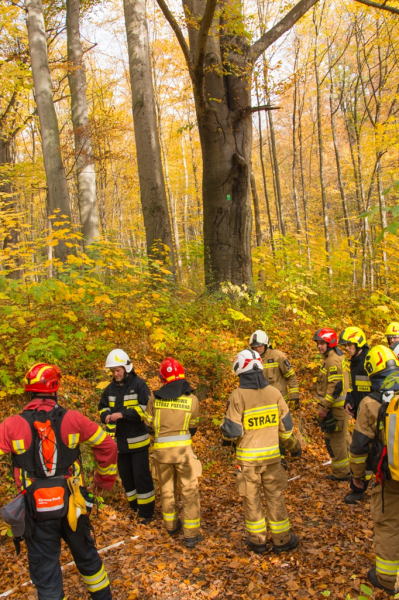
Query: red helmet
point(42, 378)
point(171, 370)
point(325, 334)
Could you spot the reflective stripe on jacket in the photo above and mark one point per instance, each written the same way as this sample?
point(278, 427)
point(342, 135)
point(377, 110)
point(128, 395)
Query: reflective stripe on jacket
point(171, 421)
point(333, 382)
point(279, 373)
point(260, 421)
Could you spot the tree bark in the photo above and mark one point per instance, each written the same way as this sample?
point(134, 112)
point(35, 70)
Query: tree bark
point(7, 206)
point(152, 184)
point(255, 200)
point(58, 195)
point(85, 171)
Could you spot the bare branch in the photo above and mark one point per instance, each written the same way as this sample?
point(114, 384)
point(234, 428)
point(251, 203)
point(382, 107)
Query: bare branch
point(179, 34)
point(203, 32)
point(253, 109)
point(390, 9)
point(280, 28)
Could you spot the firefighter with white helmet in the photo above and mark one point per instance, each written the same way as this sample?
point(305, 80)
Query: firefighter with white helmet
point(277, 368)
point(258, 418)
point(122, 408)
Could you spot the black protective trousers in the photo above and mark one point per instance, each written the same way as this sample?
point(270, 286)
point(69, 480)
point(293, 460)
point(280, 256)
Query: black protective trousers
point(44, 549)
point(134, 471)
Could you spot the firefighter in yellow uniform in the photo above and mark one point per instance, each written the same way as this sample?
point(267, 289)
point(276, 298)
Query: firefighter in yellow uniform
point(258, 417)
point(173, 413)
point(277, 369)
point(331, 388)
point(392, 334)
point(375, 446)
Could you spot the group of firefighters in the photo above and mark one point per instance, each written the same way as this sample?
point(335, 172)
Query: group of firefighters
point(53, 502)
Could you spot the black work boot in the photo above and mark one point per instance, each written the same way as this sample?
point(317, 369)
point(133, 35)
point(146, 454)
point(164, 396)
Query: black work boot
point(144, 520)
point(373, 579)
point(354, 497)
point(334, 478)
point(176, 530)
point(192, 542)
point(292, 543)
point(258, 548)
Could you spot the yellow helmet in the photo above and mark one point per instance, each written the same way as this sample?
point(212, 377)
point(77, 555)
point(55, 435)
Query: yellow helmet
point(352, 335)
point(392, 330)
point(378, 359)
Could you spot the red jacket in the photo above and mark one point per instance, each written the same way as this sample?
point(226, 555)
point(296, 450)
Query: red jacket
point(16, 437)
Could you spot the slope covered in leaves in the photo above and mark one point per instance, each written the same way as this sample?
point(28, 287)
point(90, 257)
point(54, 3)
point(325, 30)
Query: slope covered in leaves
point(336, 540)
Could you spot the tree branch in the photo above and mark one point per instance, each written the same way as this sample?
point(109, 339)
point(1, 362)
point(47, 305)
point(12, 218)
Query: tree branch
point(280, 28)
point(203, 32)
point(253, 109)
point(390, 9)
point(179, 34)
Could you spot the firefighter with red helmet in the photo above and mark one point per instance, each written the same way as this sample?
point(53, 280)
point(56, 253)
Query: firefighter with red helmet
point(331, 388)
point(258, 418)
point(122, 407)
point(173, 414)
point(44, 443)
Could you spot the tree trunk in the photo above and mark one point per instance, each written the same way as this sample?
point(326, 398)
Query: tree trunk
point(321, 151)
point(255, 199)
point(58, 196)
point(152, 185)
point(294, 143)
point(7, 205)
point(86, 175)
point(276, 173)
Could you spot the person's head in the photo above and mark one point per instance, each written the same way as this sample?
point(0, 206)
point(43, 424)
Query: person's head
point(259, 341)
point(392, 333)
point(353, 338)
point(43, 380)
point(247, 361)
point(380, 361)
point(325, 339)
point(171, 370)
point(119, 364)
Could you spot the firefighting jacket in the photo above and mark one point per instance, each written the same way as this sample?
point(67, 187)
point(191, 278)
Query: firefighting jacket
point(259, 420)
point(173, 421)
point(360, 384)
point(333, 383)
point(364, 434)
point(130, 398)
point(278, 372)
point(16, 438)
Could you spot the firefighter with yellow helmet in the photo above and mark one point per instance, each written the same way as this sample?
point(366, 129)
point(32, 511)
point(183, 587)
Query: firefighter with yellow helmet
point(375, 445)
point(354, 340)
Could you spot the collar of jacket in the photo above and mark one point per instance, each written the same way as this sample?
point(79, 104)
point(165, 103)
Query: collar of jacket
point(253, 380)
point(336, 350)
point(355, 360)
point(46, 404)
point(173, 390)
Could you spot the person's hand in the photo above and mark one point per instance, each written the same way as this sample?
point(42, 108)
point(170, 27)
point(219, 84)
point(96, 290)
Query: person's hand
point(115, 417)
point(322, 412)
point(108, 418)
point(96, 490)
point(358, 483)
point(350, 410)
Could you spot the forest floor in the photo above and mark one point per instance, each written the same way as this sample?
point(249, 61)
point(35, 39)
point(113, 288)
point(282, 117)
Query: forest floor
point(334, 555)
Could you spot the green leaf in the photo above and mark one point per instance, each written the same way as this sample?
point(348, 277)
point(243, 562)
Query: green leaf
point(379, 237)
point(393, 227)
point(326, 593)
point(363, 215)
point(385, 192)
point(396, 186)
point(366, 590)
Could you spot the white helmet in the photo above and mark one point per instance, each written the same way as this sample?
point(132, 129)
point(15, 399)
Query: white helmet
point(259, 338)
point(118, 358)
point(247, 360)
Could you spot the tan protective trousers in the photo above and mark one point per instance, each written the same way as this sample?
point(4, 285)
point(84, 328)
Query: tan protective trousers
point(273, 479)
point(338, 444)
point(182, 477)
point(386, 533)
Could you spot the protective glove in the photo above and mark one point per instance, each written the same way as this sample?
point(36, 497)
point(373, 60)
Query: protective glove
point(328, 424)
point(293, 404)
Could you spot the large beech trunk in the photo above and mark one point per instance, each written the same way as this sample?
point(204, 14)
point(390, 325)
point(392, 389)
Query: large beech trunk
point(152, 184)
point(81, 126)
point(58, 196)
